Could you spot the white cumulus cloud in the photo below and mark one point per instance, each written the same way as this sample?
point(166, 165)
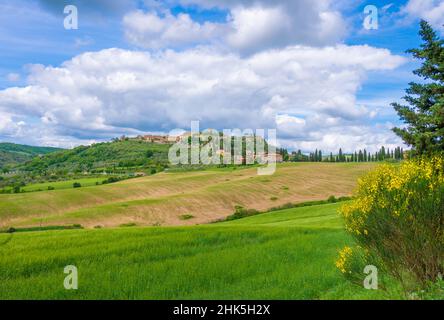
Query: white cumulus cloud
point(308, 93)
point(151, 30)
point(251, 26)
point(429, 10)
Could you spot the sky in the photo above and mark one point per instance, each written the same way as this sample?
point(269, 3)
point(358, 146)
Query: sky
point(308, 68)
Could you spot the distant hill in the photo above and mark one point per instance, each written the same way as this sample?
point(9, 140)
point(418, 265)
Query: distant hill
point(118, 156)
point(12, 154)
point(102, 156)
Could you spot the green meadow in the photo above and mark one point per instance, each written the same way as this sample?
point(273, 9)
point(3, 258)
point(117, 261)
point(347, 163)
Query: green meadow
point(286, 254)
point(68, 184)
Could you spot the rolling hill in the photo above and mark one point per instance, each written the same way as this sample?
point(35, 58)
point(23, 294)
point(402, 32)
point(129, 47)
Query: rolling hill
point(101, 156)
point(12, 154)
point(164, 198)
point(286, 254)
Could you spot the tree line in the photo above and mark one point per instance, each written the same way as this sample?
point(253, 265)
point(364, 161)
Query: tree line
point(382, 154)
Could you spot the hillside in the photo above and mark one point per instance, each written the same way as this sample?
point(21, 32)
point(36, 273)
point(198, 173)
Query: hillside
point(287, 254)
point(102, 156)
point(163, 199)
point(12, 154)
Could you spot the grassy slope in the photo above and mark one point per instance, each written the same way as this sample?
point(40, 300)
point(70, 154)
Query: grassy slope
point(100, 156)
point(4, 146)
point(162, 198)
point(281, 255)
point(12, 158)
point(13, 154)
point(59, 185)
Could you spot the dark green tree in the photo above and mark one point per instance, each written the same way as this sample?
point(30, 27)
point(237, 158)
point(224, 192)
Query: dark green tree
point(424, 114)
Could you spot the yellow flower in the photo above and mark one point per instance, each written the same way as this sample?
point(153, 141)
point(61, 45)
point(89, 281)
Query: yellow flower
point(392, 189)
point(344, 255)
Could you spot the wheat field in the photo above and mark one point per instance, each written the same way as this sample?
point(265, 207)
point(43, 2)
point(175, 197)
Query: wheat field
point(162, 199)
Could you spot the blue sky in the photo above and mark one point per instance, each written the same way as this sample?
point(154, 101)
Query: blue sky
point(41, 60)
point(30, 34)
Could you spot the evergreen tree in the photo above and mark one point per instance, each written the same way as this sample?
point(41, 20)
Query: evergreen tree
point(424, 114)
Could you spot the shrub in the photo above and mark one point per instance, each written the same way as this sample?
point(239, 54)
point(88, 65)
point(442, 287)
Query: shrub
point(50, 188)
point(11, 230)
point(76, 185)
point(397, 218)
point(130, 224)
point(111, 180)
point(186, 217)
point(241, 212)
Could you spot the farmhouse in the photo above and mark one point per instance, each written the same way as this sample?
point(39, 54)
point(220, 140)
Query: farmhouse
point(279, 158)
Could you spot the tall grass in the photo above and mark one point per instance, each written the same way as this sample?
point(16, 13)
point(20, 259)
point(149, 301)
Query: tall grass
point(286, 254)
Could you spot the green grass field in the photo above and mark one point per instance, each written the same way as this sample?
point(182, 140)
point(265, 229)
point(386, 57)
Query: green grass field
point(59, 185)
point(286, 254)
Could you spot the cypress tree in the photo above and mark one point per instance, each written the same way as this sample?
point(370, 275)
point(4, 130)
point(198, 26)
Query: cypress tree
point(424, 114)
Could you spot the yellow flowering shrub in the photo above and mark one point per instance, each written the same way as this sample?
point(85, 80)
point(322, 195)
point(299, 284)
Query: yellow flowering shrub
point(344, 259)
point(351, 262)
point(397, 216)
